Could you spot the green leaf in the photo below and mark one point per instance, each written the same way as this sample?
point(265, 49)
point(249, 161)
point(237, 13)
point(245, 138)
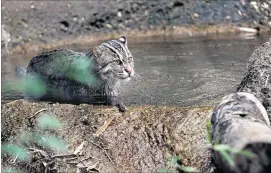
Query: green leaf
point(244, 153)
point(172, 161)
point(12, 170)
point(51, 142)
point(80, 72)
point(224, 151)
point(15, 151)
point(26, 137)
point(47, 121)
point(162, 170)
point(209, 128)
point(221, 147)
point(189, 169)
point(227, 157)
point(34, 85)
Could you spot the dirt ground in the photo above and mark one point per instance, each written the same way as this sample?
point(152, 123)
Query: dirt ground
point(140, 140)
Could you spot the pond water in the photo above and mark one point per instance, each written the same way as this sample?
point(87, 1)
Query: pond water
point(173, 70)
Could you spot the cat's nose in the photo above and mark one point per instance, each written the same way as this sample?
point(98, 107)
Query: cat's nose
point(129, 70)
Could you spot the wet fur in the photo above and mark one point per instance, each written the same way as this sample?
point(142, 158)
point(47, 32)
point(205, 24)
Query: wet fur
point(76, 77)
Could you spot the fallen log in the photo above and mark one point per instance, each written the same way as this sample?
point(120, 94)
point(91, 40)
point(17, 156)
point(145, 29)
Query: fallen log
point(240, 125)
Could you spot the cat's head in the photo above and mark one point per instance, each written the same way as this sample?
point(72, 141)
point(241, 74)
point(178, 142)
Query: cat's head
point(114, 60)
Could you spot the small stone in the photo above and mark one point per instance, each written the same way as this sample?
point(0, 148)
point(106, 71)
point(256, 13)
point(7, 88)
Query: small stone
point(253, 3)
point(119, 14)
point(108, 25)
point(32, 6)
point(196, 15)
point(265, 5)
point(228, 17)
point(146, 13)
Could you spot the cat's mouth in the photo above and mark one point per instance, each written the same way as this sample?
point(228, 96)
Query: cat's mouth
point(126, 76)
point(127, 79)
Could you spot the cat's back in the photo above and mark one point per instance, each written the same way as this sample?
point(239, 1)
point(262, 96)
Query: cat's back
point(55, 62)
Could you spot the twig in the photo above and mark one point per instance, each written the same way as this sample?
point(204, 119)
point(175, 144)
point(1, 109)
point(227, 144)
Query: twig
point(267, 78)
point(36, 113)
point(79, 148)
point(50, 162)
point(16, 158)
point(85, 159)
point(89, 167)
point(64, 155)
point(105, 125)
point(43, 153)
point(107, 155)
point(73, 163)
point(69, 159)
point(261, 73)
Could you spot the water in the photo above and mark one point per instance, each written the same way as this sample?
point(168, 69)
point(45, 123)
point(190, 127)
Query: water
point(174, 71)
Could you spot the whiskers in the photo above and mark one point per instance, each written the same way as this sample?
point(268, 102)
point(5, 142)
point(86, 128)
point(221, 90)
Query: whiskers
point(136, 76)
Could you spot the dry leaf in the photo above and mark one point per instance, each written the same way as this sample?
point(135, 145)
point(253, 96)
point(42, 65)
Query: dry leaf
point(104, 127)
point(79, 148)
point(93, 166)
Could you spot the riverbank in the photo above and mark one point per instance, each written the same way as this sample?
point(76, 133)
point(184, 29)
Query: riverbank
point(140, 140)
point(33, 25)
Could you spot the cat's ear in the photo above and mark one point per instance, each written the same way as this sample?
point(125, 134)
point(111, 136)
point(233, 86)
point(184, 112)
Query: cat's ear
point(97, 51)
point(123, 39)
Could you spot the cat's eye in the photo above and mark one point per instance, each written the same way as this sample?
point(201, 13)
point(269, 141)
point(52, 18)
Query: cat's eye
point(119, 62)
point(130, 59)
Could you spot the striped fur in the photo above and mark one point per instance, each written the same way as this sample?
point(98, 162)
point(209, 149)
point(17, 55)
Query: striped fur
point(77, 77)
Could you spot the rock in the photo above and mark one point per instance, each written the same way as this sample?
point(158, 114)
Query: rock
point(5, 38)
point(250, 30)
point(257, 80)
point(196, 15)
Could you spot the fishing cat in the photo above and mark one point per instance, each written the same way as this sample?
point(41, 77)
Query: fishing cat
point(76, 77)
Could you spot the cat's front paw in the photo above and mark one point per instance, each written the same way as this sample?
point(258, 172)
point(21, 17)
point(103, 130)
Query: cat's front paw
point(121, 107)
point(116, 101)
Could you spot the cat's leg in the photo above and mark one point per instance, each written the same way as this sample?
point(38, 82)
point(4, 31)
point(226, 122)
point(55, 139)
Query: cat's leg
point(116, 101)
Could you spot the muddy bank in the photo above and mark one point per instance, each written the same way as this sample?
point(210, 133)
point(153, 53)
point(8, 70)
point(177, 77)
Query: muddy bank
point(140, 140)
point(134, 35)
point(46, 22)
